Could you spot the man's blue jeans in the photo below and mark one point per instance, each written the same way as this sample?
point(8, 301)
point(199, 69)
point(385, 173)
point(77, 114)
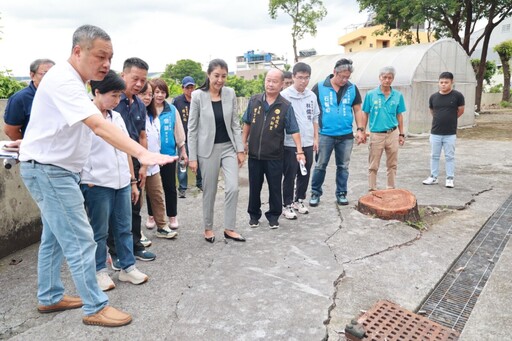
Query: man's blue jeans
point(342, 150)
point(66, 233)
point(437, 143)
point(107, 206)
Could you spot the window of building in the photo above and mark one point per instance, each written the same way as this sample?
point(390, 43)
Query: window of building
point(505, 28)
point(371, 45)
point(360, 42)
point(350, 50)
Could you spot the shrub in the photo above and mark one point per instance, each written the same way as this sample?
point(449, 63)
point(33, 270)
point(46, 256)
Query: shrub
point(9, 85)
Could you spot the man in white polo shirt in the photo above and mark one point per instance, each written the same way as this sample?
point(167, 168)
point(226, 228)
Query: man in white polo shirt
point(54, 150)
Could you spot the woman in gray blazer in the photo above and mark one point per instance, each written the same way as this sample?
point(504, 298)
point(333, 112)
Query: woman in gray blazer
point(215, 141)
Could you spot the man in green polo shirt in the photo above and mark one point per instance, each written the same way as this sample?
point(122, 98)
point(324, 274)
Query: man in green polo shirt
point(384, 108)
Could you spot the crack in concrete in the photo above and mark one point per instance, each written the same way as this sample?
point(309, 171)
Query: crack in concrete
point(332, 306)
point(390, 248)
point(467, 204)
point(340, 226)
point(15, 330)
point(327, 321)
point(190, 286)
point(483, 191)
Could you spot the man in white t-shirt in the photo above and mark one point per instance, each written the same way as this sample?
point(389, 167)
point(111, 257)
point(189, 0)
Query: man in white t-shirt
point(54, 150)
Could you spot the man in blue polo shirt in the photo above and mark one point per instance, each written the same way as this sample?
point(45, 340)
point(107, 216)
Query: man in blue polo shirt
point(133, 112)
point(17, 111)
point(384, 108)
point(182, 103)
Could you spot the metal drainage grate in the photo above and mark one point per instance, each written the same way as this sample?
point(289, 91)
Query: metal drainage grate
point(453, 299)
point(388, 321)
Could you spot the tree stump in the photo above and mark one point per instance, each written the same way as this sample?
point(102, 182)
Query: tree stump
point(388, 204)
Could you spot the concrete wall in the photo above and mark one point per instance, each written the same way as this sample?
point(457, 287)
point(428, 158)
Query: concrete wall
point(20, 222)
point(491, 100)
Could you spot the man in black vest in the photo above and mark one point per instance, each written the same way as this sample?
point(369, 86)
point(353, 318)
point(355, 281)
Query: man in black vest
point(267, 118)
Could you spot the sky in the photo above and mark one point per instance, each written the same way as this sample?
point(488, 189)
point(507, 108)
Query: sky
point(162, 31)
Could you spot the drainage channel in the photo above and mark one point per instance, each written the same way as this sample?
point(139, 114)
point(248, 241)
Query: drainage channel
point(454, 297)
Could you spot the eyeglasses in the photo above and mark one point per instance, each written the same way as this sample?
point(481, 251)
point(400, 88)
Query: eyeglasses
point(41, 73)
point(343, 78)
point(302, 79)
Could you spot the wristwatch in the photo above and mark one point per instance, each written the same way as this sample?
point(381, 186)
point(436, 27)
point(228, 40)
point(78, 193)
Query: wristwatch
point(360, 129)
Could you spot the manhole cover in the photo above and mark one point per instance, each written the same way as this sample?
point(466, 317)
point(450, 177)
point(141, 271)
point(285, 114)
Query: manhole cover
point(387, 321)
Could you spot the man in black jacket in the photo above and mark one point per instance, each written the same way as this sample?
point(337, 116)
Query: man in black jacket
point(267, 118)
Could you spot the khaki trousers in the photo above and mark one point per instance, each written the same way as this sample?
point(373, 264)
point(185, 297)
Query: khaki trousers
point(380, 142)
point(155, 194)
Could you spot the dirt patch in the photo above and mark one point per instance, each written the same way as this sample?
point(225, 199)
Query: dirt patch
point(430, 215)
point(490, 125)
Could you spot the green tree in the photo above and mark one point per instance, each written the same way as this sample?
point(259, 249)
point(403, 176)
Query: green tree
point(504, 50)
point(174, 88)
point(490, 69)
point(245, 87)
point(174, 73)
point(448, 18)
point(9, 85)
point(404, 16)
point(304, 13)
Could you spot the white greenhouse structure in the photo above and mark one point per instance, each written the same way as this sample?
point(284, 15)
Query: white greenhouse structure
point(417, 71)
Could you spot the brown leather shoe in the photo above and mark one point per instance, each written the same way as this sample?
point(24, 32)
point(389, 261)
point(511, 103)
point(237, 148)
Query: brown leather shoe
point(108, 317)
point(67, 302)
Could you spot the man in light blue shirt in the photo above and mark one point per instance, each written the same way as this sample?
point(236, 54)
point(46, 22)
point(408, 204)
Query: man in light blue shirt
point(384, 108)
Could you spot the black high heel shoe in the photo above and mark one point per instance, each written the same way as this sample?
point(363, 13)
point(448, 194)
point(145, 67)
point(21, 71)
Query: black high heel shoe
point(238, 239)
point(210, 239)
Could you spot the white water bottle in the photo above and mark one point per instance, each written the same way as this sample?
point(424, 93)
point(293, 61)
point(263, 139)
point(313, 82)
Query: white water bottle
point(303, 169)
point(183, 165)
point(8, 163)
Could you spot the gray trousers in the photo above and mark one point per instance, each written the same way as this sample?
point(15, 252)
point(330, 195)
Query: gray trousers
point(223, 156)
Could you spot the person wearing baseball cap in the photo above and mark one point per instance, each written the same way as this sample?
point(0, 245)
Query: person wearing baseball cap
point(182, 103)
point(187, 81)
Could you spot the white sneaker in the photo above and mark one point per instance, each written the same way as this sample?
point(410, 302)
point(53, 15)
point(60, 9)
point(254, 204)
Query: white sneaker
point(134, 276)
point(299, 207)
point(150, 222)
point(289, 213)
point(166, 233)
point(449, 183)
point(104, 281)
point(430, 181)
point(144, 240)
point(173, 223)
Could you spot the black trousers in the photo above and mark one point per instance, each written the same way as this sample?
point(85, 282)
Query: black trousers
point(272, 170)
point(136, 222)
point(291, 171)
point(168, 175)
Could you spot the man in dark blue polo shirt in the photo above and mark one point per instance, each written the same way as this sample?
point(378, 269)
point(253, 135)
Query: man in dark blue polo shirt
point(133, 111)
point(17, 111)
point(182, 103)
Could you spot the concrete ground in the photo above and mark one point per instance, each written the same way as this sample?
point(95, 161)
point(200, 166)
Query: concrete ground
point(303, 281)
